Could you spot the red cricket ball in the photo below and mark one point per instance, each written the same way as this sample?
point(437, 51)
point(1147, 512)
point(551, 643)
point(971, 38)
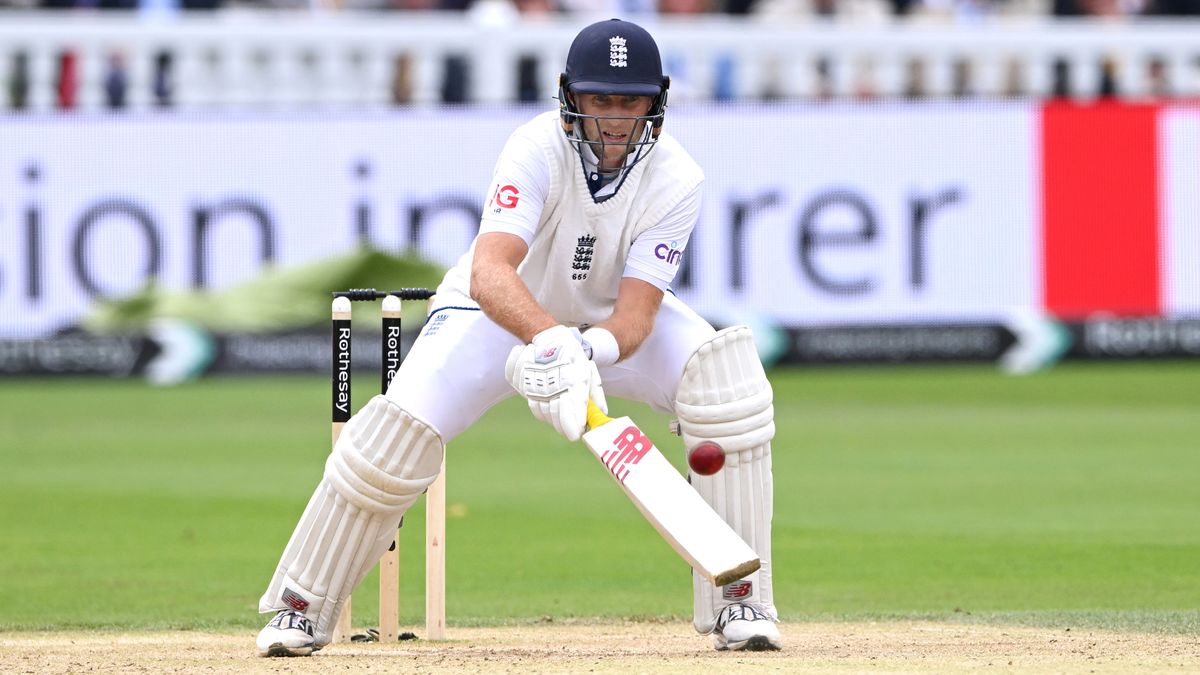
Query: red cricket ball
point(706, 458)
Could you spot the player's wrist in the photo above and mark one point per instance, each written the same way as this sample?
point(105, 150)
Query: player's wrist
point(545, 332)
point(603, 346)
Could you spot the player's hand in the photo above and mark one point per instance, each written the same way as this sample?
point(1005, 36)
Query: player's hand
point(555, 375)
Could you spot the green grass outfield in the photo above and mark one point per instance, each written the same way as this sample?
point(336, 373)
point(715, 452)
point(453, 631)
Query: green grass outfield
point(954, 493)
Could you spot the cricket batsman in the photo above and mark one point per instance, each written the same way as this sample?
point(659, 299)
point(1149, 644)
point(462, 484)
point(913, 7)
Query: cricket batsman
point(566, 287)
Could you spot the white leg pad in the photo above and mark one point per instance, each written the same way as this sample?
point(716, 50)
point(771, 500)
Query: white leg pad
point(383, 460)
point(724, 396)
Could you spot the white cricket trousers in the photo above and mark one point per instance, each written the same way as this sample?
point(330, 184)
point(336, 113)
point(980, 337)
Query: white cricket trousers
point(455, 371)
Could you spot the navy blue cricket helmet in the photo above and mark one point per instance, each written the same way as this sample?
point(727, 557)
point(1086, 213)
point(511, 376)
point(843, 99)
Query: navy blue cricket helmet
point(618, 58)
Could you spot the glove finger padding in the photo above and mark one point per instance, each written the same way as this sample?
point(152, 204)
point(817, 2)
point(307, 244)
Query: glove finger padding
point(570, 408)
point(556, 377)
point(511, 364)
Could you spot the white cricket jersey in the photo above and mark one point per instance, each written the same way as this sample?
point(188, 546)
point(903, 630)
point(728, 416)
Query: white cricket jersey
point(579, 249)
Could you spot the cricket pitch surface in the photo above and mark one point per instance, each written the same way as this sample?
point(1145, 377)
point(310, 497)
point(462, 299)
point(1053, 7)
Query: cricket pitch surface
point(625, 647)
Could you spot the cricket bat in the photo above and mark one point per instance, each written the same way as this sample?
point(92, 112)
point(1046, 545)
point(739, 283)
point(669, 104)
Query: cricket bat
point(666, 499)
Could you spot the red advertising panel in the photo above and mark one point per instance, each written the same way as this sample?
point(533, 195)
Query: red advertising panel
point(1100, 212)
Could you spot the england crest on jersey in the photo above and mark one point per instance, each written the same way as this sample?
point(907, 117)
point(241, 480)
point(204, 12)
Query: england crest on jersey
point(583, 257)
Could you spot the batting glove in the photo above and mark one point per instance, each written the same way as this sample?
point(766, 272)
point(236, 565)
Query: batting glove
point(556, 377)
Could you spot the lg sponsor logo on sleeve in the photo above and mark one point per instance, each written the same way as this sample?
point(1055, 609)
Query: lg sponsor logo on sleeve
point(504, 197)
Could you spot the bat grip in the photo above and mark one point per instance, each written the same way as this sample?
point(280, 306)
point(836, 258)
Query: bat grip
point(596, 416)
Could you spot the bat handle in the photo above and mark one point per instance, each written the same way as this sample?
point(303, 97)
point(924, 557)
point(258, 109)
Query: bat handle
point(596, 416)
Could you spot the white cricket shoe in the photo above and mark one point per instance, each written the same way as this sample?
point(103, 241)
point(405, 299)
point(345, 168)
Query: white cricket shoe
point(290, 633)
point(745, 628)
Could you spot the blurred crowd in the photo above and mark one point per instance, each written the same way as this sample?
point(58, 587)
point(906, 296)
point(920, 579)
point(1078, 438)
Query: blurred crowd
point(852, 9)
point(1067, 79)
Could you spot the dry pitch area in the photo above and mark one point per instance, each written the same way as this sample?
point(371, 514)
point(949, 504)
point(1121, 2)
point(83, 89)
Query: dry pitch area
point(625, 648)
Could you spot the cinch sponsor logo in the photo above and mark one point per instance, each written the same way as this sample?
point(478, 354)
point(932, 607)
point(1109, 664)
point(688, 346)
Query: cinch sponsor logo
point(671, 253)
point(737, 590)
point(631, 446)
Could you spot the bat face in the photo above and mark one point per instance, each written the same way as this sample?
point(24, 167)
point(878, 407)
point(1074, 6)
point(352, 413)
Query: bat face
point(666, 499)
point(628, 448)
